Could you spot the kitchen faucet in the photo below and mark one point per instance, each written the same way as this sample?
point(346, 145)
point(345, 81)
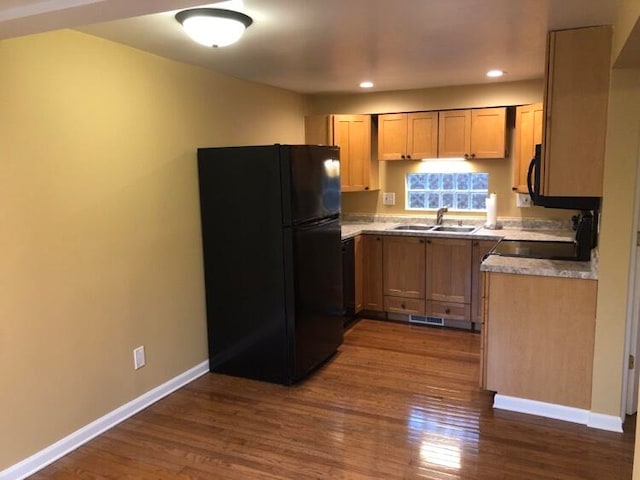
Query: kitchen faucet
point(440, 214)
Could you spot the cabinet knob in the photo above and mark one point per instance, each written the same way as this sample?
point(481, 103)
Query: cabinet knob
point(402, 305)
point(421, 241)
point(473, 155)
point(366, 188)
point(466, 155)
point(408, 156)
point(378, 239)
point(447, 310)
point(402, 156)
point(428, 241)
point(476, 243)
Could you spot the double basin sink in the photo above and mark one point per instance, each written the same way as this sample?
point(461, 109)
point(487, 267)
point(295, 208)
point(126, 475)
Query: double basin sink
point(436, 228)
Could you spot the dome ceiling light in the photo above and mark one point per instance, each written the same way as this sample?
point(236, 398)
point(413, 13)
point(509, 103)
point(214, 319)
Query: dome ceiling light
point(213, 27)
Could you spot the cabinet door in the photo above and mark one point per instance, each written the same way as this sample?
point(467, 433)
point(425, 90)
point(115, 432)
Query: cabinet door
point(358, 256)
point(403, 266)
point(480, 249)
point(454, 133)
point(576, 98)
point(488, 132)
point(372, 272)
point(528, 134)
point(392, 136)
point(352, 133)
point(449, 270)
point(422, 135)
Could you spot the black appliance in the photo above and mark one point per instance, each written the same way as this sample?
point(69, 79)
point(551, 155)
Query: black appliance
point(576, 250)
point(571, 203)
point(272, 258)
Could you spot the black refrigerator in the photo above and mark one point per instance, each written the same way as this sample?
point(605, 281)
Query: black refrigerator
point(272, 258)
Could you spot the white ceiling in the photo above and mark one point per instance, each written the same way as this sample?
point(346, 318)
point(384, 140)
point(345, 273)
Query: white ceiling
point(318, 46)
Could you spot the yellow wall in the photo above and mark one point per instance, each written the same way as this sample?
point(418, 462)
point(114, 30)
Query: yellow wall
point(616, 240)
point(99, 224)
point(392, 174)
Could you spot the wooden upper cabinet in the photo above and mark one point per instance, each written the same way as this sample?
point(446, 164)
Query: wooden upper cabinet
point(529, 122)
point(454, 133)
point(476, 133)
point(448, 274)
point(422, 135)
point(352, 133)
point(575, 104)
point(372, 272)
point(403, 266)
point(408, 136)
point(488, 132)
point(392, 136)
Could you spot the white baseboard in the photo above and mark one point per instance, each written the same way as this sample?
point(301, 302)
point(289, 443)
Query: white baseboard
point(78, 438)
point(605, 422)
point(559, 412)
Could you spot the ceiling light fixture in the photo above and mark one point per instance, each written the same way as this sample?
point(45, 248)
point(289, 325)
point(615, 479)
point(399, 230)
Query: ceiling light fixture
point(213, 27)
point(366, 85)
point(495, 73)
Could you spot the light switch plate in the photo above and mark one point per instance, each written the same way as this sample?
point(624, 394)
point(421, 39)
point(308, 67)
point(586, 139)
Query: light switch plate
point(389, 198)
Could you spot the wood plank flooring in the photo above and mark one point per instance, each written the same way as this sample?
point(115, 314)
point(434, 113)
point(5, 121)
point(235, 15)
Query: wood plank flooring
point(397, 402)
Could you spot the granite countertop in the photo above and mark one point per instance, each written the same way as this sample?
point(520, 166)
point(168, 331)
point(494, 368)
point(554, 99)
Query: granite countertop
point(496, 263)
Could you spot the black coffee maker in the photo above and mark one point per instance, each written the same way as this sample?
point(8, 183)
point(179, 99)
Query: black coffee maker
point(586, 227)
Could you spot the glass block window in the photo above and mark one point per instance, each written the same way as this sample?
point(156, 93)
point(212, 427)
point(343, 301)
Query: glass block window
point(456, 191)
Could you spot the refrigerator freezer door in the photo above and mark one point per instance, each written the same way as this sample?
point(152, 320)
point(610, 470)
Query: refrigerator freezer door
point(313, 180)
point(319, 311)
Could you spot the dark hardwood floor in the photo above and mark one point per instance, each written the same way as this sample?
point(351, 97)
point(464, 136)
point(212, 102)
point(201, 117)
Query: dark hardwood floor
point(396, 402)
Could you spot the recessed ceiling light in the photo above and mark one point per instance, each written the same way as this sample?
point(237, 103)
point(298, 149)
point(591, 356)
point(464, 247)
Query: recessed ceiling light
point(495, 73)
point(366, 85)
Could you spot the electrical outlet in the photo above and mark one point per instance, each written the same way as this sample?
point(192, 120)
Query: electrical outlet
point(523, 200)
point(139, 358)
point(389, 198)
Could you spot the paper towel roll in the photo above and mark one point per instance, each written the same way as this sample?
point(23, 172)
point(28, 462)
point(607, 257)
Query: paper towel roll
point(492, 211)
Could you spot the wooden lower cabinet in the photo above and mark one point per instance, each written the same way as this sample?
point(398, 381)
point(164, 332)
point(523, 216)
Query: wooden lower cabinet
point(448, 278)
point(437, 277)
point(372, 273)
point(403, 266)
point(358, 256)
point(480, 249)
point(403, 273)
point(539, 338)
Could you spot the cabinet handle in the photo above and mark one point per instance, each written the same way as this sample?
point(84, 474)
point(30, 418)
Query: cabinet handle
point(447, 310)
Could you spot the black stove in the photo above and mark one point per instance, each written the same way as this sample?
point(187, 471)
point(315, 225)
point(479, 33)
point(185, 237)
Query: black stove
point(551, 250)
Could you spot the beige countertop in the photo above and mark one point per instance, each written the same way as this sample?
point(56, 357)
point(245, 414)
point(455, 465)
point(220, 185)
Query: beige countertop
point(496, 263)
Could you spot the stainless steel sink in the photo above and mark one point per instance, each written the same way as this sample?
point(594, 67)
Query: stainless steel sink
point(413, 227)
point(454, 229)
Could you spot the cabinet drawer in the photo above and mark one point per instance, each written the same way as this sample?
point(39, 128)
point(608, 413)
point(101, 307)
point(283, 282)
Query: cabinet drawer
point(409, 306)
point(454, 311)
